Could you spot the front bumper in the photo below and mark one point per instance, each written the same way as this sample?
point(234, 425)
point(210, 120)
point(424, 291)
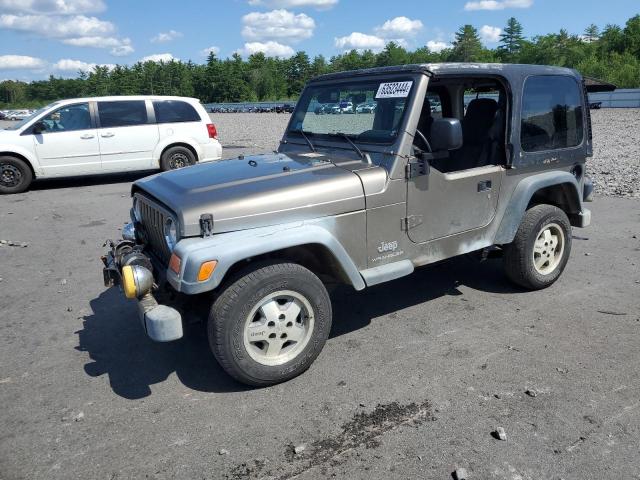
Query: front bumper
point(161, 323)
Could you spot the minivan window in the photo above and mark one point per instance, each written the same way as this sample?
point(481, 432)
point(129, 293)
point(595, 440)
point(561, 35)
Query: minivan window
point(552, 115)
point(174, 111)
point(122, 113)
point(68, 119)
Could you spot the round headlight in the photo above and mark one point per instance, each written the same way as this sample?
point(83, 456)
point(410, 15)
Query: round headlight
point(170, 233)
point(137, 212)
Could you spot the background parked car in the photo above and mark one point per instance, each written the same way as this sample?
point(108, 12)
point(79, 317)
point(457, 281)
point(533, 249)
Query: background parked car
point(18, 114)
point(366, 107)
point(108, 134)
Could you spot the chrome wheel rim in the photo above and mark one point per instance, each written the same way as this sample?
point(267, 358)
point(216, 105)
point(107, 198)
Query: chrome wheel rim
point(548, 249)
point(278, 328)
point(178, 160)
point(10, 175)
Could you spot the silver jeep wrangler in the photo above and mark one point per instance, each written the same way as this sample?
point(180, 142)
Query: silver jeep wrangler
point(423, 163)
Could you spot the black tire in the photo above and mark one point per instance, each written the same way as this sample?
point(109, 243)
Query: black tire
point(231, 310)
point(519, 255)
point(15, 175)
point(176, 157)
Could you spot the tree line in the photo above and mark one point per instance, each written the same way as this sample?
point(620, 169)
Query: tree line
point(611, 54)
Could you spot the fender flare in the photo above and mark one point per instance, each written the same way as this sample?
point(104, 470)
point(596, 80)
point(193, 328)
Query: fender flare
point(231, 248)
point(171, 140)
point(15, 150)
point(521, 197)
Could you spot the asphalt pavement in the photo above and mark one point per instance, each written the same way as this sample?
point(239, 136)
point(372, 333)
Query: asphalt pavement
point(416, 377)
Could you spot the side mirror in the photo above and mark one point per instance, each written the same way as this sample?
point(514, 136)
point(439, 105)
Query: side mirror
point(38, 128)
point(446, 134)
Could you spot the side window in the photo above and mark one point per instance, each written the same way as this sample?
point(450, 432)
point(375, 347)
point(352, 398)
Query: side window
point(551, 114)
point(68, 118)
point(174, 111)
point(123, 113)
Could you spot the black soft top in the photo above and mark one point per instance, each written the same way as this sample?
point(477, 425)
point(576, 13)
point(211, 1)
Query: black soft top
point(509, 71)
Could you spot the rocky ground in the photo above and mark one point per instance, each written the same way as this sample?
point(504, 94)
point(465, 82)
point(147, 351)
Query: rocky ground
point(451, 368)
point(615, 166)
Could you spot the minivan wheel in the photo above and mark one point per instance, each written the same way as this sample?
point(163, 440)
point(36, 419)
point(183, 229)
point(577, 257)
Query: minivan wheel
point(540, 250)
point(177, 157)
point(270, 324)
point(15, 175)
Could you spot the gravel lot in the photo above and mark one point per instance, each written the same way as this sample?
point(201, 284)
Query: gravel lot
point(415, 377)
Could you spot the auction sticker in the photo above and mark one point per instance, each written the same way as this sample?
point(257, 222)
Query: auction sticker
point(394, 90)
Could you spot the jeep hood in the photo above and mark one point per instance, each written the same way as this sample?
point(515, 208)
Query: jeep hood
point(255, 191)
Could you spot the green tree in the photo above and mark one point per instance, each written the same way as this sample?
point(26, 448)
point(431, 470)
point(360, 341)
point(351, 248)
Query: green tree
point(467, 46)
point(631, 35)
point(591, 33)
point(511, 41)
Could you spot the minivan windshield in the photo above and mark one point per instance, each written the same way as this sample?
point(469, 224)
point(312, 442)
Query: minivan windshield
point(365, 111)
point(26, 120)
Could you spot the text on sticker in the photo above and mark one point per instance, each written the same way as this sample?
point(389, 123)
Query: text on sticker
point(394, 90)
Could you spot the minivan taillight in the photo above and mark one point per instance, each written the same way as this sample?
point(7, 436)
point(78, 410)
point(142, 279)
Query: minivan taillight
point(211, 129)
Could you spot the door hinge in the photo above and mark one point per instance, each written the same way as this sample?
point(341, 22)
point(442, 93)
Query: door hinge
point(415, 169)
point(411, 221)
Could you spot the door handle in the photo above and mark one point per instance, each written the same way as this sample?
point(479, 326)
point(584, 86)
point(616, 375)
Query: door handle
point(484, 186)
point(107, 135)
point(86, 136)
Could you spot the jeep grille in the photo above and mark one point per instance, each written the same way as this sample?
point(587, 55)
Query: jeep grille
point(153, 220)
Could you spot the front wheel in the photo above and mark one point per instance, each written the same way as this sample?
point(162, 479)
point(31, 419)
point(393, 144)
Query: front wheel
point(541, 248)
point(176, 157)
point(270, 324)
point(15, 175)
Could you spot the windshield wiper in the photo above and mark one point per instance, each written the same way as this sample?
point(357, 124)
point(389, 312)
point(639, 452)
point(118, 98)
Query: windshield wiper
point(346, 137)
point(304, 135)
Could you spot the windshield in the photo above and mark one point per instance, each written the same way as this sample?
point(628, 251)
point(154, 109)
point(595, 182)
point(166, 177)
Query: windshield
point(26, 120)
point(366, 111)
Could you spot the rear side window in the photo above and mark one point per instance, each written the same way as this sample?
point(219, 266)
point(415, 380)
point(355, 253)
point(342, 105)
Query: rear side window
point(174, 111)
point(122, 113)
point(552, 116)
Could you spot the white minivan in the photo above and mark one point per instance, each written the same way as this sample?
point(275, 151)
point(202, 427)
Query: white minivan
point(86, 136)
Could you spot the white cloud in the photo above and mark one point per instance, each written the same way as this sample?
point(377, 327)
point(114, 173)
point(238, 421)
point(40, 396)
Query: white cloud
point(399, 27)
point(359, 41)
point(55, 7)
point(206, 51)
point(19, 62)
point(57, 27)
point(270, 49)
point(159, 57)
point(67, 64)
point(277, 25)
point(64, 20)
point(122, 50)
point(163, 37)
point(497, 4)
point(490, 34)
point(317, 4)
point(119, 46)
point(437, 45)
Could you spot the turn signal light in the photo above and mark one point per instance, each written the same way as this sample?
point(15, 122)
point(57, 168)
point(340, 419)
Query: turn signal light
point(206, 270)
point(174, 264)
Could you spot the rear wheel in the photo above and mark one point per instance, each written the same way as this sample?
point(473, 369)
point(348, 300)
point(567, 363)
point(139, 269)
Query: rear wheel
point(177, 157)
point(540, 250)
point(15, 175)
point(270, 324)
